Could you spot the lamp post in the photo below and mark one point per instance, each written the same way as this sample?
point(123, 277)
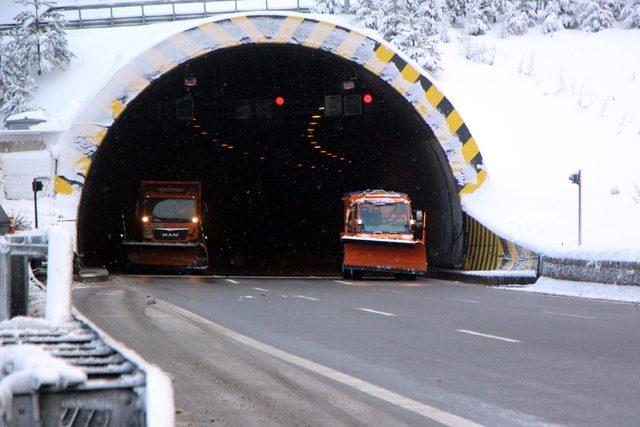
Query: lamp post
point(576, 178)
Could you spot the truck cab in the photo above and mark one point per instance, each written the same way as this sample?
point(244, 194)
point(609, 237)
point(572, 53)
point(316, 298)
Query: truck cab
point(169, 221)
point(382, 234)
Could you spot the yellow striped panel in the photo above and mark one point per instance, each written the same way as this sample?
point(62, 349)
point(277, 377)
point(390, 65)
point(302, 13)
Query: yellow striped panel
point(137, 84)
point(319, 34)
point(433, 96)
point(219, 35)
point(96, 137)
point(289, 26)
point(250, 29)
point(350, 44)
point(384, 54)
point(470, 150)
point(117, 107)
point(400, 84)
point(470, 188)
point(410, 74)
point(158, 60)
point(84, 163)
point(454, 121)
point(61, 186)
point(187, 45)
point(513, 255)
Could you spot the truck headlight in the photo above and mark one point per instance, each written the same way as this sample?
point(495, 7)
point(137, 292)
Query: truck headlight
point(195, 219)
point(145, 218)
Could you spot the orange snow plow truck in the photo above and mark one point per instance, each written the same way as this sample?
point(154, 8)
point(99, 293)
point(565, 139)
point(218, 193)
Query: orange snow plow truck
point(169, 218)
point(382, 234)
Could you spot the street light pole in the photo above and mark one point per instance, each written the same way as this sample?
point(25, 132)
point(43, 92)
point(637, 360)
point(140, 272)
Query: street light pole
point(36, 186)
point(576, 178)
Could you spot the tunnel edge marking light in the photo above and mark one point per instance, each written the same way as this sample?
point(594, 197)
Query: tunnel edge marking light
point(279, 101)
point(367, 98)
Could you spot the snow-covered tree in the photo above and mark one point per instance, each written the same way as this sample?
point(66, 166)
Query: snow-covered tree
point(393, 13)
point(474, 18)
point(16, 85)
point(569, 10)
point(491, 9)
point(516, 21)
point(419, 33)
point(551, 22)
point(617, 7)
point(456, 10)
point(367, 13)
point(595, 15)
point(39, 35)
point(530, 8)
point(631, 14)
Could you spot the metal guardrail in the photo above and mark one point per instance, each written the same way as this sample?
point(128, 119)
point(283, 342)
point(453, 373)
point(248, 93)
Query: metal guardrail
point(16, 251)
point(153, 11)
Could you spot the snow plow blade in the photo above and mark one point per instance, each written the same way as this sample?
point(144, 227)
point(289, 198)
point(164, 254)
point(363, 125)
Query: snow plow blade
point(394, 257)
point(171, 255)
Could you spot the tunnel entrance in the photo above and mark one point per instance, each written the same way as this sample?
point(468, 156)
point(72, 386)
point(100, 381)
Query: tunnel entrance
point(273, 164)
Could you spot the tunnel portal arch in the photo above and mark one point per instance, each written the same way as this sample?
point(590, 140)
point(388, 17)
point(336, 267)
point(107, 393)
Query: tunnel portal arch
point(82, 142)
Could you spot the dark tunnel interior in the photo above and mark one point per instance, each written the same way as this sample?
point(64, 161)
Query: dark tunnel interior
point(272, 175)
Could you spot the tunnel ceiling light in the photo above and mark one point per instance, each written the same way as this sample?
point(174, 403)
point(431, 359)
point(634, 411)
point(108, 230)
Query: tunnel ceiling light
point(263, 158)
point(246, 153)
point(197, 126)
point(299, 165)
point(313, 123)
point(343, 159)
point(224, 145)
point(367, 98)
point(317, 147)
point(204, 132)
point(320, 108)
point(230, 147)
point(279, 101)
point(348, 84)
point(310, 129)
point(316, 116)
point(313, 167)
point(313, 142)
point(323, 151)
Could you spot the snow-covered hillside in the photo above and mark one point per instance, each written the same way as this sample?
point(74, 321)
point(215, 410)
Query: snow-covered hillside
point(540, 107)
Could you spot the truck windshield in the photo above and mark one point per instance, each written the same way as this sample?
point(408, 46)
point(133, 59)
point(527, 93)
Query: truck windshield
point(170, 210)
point(385, 218)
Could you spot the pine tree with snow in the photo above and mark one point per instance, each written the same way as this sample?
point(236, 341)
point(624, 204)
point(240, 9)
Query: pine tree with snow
point(617, 7)
point(569, 10)
point(333, 7)
point(595, 15)
point(516, 21)
point(367, 13)
point(418, 33)
point(474, 18)
point(551, 22)
point(393, 14)
point(39, 34)
point(530, 8)
point(631, 14)
point(16, 85)
point(456, 10)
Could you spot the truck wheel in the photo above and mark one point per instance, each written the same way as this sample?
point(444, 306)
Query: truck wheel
point(356, 274)
point(347, 273)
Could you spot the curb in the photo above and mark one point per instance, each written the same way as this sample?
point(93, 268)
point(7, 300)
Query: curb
point(488, 278)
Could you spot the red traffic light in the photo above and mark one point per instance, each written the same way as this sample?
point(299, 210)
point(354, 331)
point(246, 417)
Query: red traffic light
point(279, 101)
point(367, 98)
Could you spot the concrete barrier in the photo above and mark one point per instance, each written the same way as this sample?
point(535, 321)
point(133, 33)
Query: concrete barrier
point(580, 270)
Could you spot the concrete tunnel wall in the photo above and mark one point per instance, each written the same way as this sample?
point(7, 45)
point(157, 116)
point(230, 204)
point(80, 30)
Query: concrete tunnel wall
point(80, 144)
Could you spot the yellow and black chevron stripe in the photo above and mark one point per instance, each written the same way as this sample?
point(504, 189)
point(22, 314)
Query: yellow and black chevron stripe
point(412, 83)
point(487, 251)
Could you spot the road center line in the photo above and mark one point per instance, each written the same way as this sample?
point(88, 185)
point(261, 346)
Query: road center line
point(368, 310)
point(304, 297)
point(480, 334)
point(411, 405)
point(343, 282)
point(579, 316)
point(261, 289)
point(232, 281)
point(464, 300)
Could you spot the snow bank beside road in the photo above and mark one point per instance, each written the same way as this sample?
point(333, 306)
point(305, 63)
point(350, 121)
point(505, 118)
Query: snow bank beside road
point(546, 285)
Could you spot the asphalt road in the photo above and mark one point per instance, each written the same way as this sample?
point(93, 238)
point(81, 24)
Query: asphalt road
point(490, 356)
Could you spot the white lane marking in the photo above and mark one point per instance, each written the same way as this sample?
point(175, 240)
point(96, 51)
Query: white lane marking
point(343, 282)
point(427, 411)
point(368, 310)
point(233, 281)
point(480, 334)
point(304, 297)
point(579, 316)
point(464, 300)
point(261, 289)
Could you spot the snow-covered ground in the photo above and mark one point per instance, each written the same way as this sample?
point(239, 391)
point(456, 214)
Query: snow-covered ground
point(540, 107)
point(546, 285)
